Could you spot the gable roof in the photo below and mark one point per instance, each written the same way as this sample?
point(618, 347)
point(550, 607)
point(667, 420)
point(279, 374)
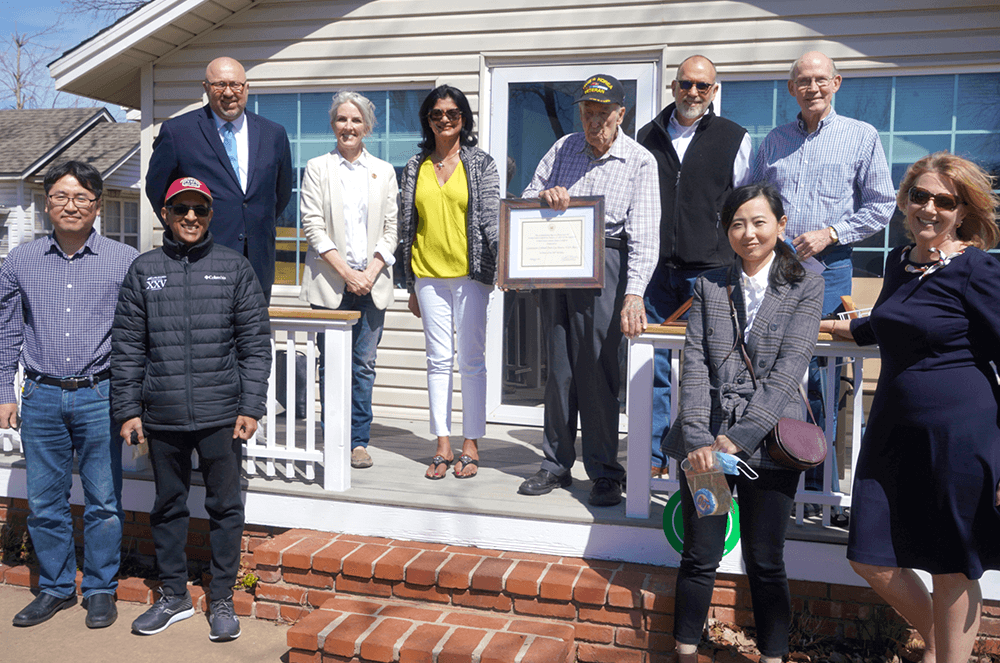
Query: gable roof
point(29, 136)
point(32, 139)
point(105, 146)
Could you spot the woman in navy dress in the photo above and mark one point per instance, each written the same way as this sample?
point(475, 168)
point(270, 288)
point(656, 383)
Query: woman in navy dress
point(926, 489)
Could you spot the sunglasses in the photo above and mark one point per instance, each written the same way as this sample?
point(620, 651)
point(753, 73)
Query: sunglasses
point(453, 114)
point(182, 210)
point(702, 87)
point(942, 201)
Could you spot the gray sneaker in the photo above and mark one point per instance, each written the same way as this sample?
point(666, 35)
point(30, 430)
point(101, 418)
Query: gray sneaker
point(225, 624)
point(167, 610)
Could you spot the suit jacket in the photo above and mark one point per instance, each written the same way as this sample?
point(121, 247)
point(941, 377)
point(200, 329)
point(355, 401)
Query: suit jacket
point(189, 146)
point(717, 395)
point(322, 205)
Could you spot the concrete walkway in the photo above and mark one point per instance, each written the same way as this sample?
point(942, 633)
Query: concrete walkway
point(66, 638)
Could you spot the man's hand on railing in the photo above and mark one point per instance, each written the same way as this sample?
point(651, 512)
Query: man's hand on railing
point(245, 427)
point(132, 431)
point(8, 416)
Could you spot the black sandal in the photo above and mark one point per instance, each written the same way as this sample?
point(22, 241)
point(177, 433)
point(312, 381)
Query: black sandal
point(466, 460)
point(437, 462)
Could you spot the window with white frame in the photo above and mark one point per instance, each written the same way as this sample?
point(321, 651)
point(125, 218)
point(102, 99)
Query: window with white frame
point(305, 116)
point(120, 220)
point(914, 115)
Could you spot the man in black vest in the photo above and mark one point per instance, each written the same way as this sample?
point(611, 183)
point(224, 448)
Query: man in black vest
point(701, 158)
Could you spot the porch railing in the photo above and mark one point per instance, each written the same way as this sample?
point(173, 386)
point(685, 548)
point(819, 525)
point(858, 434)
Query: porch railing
point(640, 402)
point(292, 330)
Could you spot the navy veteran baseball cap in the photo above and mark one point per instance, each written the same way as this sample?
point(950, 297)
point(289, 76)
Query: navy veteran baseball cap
point(183, 184)
point(602, 88)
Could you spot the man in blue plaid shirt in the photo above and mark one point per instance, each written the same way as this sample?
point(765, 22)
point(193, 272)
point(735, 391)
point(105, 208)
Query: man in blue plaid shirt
point(834, 181)
point(57, 303)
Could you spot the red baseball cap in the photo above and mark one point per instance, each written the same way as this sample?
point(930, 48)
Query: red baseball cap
point(187, 184)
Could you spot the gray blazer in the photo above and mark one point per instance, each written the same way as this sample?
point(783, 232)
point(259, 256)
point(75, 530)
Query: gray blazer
point(717, 395)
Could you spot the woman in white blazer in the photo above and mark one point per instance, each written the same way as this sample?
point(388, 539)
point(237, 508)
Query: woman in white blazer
point(349, 206)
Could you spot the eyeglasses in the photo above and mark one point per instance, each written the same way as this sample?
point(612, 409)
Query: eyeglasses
point(453, 114)
point(182, 210)
point(702, 86)
point(806, 83)
point(220, 86)
point(942, 201)
point(80, 200)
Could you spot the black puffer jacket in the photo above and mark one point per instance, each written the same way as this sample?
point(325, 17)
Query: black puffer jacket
point(190, 347)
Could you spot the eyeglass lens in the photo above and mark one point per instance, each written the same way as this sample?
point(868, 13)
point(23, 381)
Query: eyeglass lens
point(941, 200)
point(182, 210)
point(701, 85)
point(222, 85)
point(62, 199)
point(453, 114)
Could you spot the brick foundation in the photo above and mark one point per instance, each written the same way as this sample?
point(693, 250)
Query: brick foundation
point(367, 599)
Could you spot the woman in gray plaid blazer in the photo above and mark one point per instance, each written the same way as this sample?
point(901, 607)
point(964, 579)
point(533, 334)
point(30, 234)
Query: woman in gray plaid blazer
point(777, 307)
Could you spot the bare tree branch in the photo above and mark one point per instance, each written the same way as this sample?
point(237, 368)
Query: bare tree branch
point(24, 77)
point(110, 10)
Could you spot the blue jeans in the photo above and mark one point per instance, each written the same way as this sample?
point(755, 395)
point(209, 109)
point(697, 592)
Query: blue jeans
point(365, 336)
point(667, 290)
point(837, 280)
point(57, 423)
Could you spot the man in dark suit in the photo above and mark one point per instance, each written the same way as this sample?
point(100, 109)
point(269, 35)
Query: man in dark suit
point(244, 159)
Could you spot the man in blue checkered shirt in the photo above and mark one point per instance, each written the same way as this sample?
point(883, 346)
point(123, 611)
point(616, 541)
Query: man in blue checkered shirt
point(57, 303)
point(834, 181)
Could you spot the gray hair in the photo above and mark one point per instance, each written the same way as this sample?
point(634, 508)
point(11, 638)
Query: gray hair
point(793, 72)
point(361, 102)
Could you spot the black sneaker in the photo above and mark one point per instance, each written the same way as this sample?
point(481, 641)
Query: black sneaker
point(543, 481)
point(225, 624)
point(167, 610)
point(606, 492)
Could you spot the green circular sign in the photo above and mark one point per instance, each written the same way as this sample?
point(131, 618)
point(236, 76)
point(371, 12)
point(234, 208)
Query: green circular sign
point(673, 524)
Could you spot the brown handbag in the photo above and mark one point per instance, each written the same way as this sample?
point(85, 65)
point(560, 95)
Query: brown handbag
point(794, 444)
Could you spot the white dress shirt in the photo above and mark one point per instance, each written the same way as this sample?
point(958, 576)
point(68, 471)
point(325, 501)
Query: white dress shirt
point(242, 143)
point(354, 189)
point(753, 291)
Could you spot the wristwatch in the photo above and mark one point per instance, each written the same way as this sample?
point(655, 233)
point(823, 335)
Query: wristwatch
point(833, 235)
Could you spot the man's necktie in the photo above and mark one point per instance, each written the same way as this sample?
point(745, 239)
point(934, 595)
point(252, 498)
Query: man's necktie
point(229, 142)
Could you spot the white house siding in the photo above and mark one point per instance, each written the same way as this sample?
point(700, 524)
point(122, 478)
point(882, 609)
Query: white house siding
point(12, 210)
point(327, 45)
point(126, 176)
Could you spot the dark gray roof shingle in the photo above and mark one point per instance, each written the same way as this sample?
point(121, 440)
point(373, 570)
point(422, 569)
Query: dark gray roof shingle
point(104, 145)
point(28, 135)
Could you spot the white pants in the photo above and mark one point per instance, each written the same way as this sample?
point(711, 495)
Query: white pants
point(450, 308)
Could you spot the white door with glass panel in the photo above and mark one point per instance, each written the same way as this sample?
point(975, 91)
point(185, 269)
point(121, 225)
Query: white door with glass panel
point(530, 107)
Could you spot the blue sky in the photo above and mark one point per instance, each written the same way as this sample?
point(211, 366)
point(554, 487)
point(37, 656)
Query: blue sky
point(30, 16)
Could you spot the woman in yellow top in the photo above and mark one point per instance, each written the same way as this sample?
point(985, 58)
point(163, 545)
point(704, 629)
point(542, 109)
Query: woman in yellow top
point(448, 231)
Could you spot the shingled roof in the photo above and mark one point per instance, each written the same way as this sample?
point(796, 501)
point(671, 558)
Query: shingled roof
point(104, 146)
point(28, 136)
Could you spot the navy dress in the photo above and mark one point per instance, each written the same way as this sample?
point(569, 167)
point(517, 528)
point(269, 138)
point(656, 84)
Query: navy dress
point(927, 473)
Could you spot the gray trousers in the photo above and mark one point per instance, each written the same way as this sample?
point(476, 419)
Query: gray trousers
point(582, 328)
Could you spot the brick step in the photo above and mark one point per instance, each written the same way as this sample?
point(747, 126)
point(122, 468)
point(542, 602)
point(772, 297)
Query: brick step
point(389, 631)
point(603, 611)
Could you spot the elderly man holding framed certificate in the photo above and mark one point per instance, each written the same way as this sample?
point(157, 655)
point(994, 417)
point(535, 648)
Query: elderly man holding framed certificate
point(584, 325)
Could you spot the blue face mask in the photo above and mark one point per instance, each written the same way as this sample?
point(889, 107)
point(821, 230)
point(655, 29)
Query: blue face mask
point(730, 464)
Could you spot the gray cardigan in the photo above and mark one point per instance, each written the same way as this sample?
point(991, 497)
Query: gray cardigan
point(717, 396)
point(482, 218)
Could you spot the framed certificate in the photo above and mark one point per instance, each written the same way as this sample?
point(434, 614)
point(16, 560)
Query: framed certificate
point(542, 248)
